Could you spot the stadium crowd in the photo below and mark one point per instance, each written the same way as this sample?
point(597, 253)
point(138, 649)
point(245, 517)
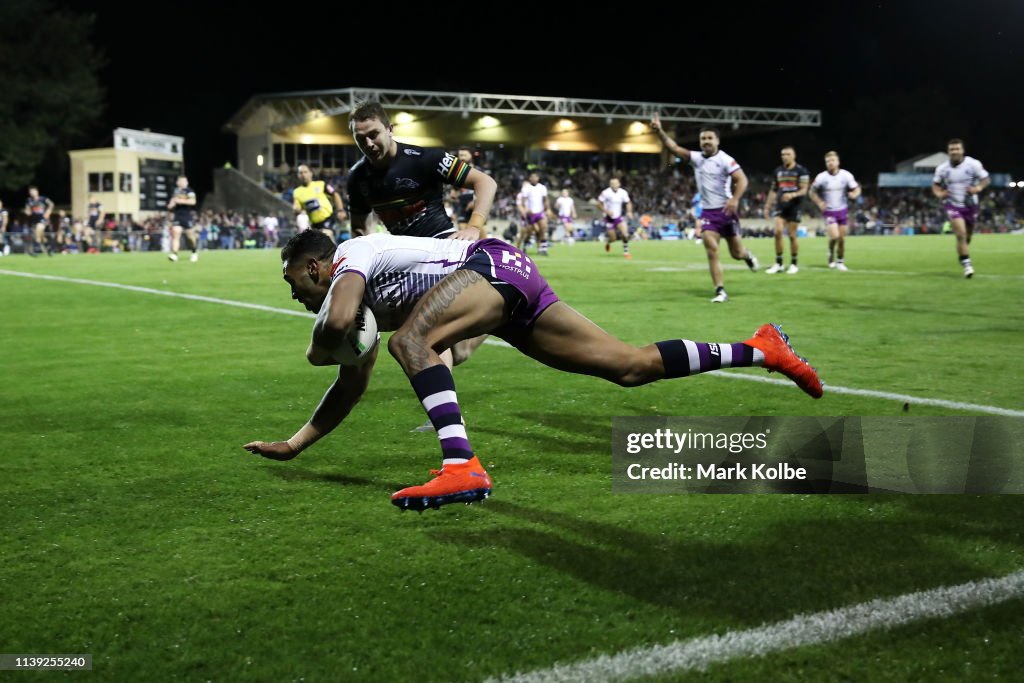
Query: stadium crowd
point(666, 195)
point(214, 230)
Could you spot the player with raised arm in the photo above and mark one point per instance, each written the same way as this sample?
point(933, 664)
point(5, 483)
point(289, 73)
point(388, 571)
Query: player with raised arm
point(719, 217)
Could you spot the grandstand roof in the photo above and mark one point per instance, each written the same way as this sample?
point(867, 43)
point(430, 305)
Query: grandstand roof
point(291, 116)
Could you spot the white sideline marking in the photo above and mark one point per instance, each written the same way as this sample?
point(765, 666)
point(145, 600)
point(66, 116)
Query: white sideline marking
point(804, 629)
point(904, 398)
point(161, 292)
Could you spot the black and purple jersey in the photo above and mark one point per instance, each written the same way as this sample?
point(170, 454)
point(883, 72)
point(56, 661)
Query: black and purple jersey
point(407, 196)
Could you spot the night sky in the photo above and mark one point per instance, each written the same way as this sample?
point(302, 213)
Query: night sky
point(891, 78)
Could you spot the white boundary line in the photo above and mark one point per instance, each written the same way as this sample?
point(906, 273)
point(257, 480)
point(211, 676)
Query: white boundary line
point(160, 292)
point(805, 629)
point(903, 398)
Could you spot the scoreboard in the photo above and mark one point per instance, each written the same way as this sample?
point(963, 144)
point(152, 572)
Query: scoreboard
point(157, 180)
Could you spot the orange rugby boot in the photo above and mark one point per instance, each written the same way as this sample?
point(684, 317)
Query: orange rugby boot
point(779, 356)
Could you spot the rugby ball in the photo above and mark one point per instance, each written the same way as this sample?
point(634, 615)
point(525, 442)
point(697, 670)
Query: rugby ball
point(360, 340)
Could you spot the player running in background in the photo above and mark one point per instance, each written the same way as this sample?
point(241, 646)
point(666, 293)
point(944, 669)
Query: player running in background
point(831, 190)
point(181, 204)
point(958, 182)
point(618, 210)
point(719, 214)
point(439, 292)
point(789, 185)
point(38, 209)
point(566, 208)
point(535, 209)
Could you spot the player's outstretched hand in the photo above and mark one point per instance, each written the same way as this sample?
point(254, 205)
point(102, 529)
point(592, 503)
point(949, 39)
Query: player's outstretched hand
point(655, 124)
point(275, 450)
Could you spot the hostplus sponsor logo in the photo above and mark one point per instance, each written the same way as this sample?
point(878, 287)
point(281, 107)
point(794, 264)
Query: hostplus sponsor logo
point(520, 263)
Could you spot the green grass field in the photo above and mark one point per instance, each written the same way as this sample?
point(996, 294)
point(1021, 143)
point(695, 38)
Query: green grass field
point(137, 529)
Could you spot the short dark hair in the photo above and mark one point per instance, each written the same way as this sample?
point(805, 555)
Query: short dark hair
point(785, 147)
point(955, 141)
point(709, 129)
point(310, 242)
point(370, 109)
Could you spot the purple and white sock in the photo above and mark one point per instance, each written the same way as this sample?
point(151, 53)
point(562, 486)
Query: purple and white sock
point(683, 357)
point(435, 388)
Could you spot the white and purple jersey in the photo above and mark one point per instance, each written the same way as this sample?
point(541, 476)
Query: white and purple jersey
point(714, 177)
point(613, 201)
point(534, 196)
point(833, 188)
point(956, 179)
point(565, 205)
point(398, 270)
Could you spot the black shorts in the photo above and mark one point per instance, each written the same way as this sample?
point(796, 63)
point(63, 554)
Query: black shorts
point(184, 221)
point(326, 224)
point(789, 212)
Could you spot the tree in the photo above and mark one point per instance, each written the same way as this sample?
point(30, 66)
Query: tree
point(51, 94)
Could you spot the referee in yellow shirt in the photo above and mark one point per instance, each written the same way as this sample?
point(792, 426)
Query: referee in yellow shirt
point(318, 200)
